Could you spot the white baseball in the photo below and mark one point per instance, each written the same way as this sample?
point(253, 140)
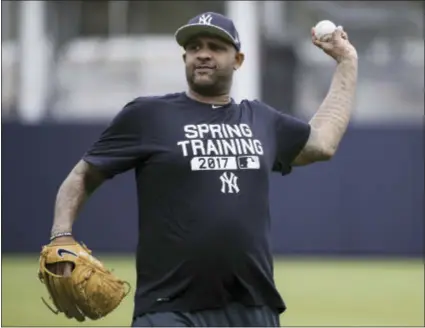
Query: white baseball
point(323, 29)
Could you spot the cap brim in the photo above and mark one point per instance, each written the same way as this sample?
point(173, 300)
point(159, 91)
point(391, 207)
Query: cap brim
point(185, 33)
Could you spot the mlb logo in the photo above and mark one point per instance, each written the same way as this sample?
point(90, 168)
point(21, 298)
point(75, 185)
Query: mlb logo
point(249, 162)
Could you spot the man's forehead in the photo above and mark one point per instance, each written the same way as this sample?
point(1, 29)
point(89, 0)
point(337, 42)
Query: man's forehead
point(206, 37)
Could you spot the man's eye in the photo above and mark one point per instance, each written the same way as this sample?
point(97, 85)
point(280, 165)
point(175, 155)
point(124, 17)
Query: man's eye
point(217, 47)
point(193, 47)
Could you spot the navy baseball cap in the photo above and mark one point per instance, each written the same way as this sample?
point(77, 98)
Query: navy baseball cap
point(210, 23)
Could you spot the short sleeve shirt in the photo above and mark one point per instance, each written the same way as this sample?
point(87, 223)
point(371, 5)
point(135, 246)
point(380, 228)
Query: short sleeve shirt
point(202, 174)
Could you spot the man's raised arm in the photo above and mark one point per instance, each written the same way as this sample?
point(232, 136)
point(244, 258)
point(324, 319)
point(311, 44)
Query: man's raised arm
point(330, 122)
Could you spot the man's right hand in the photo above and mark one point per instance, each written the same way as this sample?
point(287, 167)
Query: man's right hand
point(63, 268)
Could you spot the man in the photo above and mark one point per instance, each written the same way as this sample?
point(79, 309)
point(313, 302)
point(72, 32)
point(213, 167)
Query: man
point(202, 163)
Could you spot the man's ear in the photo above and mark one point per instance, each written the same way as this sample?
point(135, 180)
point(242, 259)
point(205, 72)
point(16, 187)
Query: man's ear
point(239, 59)
point(184, 57)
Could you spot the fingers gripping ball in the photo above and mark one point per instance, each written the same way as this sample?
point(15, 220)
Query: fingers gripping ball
point(86, 290)
point(324, 29)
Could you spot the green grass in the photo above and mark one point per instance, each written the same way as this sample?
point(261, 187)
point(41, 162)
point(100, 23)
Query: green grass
point(322, 292)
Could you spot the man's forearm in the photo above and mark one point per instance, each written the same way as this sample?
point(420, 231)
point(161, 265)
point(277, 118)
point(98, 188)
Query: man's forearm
point(72, 194)
point(331, 119)
point(330, 122)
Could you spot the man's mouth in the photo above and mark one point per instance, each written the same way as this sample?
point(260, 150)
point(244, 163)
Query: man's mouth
point(204, 68)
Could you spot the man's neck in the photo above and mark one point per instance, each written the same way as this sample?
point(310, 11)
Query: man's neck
point(217, 100)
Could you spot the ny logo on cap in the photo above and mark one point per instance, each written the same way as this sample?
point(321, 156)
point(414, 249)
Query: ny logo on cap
point(205, 19)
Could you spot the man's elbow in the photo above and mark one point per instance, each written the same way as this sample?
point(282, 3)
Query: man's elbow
point(313, 155)
point(327, 153)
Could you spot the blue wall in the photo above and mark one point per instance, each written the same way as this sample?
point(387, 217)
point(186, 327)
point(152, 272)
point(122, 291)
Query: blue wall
point(367, 200)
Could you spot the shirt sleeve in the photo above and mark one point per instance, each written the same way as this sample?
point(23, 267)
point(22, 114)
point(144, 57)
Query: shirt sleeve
point(291, 136)
point(120, 146)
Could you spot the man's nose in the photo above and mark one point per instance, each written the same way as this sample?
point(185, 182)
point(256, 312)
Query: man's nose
point(204, 54)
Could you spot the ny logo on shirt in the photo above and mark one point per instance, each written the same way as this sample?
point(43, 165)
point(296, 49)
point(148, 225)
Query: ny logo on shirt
point(229, 183)
point(205, 19)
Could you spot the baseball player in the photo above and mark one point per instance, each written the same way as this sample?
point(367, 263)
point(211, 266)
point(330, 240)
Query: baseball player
point(202, 163)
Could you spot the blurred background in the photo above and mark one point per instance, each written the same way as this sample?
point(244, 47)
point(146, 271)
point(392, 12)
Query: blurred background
point(348, 235)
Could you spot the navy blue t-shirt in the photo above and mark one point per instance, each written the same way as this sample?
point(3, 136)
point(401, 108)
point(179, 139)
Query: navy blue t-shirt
point(202, 175)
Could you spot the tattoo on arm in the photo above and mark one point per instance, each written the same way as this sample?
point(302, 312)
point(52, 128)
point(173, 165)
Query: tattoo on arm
point(330, 122)
point(81, 182)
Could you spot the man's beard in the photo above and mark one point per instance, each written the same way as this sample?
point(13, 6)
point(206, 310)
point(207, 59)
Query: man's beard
point(219, 85)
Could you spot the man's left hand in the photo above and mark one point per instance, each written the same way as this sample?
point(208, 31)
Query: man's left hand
point(337, 45)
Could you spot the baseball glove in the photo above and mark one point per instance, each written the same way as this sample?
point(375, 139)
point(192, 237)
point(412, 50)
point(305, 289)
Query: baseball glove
point(88, 291)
